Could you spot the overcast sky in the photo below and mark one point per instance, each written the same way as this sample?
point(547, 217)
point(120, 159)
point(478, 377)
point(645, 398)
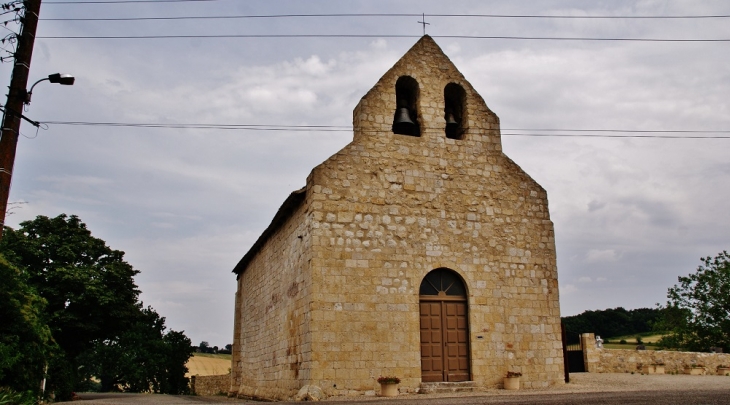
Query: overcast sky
point(185, 204)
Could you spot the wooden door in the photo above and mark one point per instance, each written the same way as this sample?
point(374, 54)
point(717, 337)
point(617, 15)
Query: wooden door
point(456, 341)
point(444, 327)
point(432, 342)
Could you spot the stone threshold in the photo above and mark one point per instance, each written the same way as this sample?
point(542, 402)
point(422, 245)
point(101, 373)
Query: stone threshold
point(446, 387)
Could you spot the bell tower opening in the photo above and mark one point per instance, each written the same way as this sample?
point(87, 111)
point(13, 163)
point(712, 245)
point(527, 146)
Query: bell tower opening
point(454, 110)
point(405, 121)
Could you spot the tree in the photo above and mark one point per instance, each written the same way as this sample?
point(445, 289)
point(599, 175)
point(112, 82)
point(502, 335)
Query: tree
point(612, 322)
point(26, 345)
point(178, 349)
point(699, 307)
point(89, 288)
point(92, 307)
point(143, 358)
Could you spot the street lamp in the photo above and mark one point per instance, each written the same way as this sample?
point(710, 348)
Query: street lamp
point(60, 78)
point(18, 96)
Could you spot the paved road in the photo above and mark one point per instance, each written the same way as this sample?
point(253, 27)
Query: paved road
point(715, 397)
point(584, 389)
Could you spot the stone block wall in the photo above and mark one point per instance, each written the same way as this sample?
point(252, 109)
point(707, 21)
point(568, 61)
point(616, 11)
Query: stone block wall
point(389, 208)
point(210, 384)
point(591, 355)
point(271, 346)
point(627, 361)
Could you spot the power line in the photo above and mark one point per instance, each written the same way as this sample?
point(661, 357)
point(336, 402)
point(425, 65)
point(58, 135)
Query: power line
point(619, 136)
point(534, 132)
point(258, 127)
point(122, 1)
point(564, 16)
point(687, 40)
point(341, 15)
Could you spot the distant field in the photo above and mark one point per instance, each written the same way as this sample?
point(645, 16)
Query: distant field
point(214, 356)
point(649, 340)
point(627, 346)
point(209, 364)
point(645, 337)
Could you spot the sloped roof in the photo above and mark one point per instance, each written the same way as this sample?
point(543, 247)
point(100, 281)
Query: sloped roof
point(290, 205)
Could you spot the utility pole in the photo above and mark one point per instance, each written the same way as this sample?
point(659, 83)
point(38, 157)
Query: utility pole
point(16, 99)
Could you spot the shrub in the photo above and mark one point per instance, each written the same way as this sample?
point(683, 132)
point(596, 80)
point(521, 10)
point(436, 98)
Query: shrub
point(389, 380)
point(11, 397)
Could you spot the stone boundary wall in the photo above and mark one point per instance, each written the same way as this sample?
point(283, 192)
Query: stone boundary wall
point(627, 361)
point(210, 384)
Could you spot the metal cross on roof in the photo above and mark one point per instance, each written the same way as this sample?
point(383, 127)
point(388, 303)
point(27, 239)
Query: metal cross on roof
point(424, 23)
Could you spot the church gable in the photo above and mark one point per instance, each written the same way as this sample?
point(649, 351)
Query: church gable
point(425, 95)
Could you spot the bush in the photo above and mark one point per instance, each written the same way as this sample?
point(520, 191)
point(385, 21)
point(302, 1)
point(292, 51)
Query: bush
point(622, 341)
point(10, 397)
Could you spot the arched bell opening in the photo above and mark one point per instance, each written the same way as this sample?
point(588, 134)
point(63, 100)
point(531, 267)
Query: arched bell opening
point(444, 313)
point(405, 121)
point(454, 110)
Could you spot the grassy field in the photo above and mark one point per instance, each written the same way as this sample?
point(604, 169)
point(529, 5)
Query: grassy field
point(627, 346)
point(649, 339)
point(209, 364)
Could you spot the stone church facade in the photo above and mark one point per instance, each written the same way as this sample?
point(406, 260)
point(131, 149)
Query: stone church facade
point(420, 250)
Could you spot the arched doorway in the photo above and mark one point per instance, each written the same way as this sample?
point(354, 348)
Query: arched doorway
point(444, 327)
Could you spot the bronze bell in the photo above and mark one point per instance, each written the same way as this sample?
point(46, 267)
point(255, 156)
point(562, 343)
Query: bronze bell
point(450, 121)
point(403, 123)
point(453, 128)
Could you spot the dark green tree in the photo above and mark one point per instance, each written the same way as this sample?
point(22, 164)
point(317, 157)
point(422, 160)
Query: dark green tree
point(144, 358)
point(178, 349)
point(26, 345)
point(91, 306)
point(698, 308)
point(612, 322)
point(89, 287)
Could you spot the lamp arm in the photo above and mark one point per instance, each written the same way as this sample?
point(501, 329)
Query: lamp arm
point(30, 92)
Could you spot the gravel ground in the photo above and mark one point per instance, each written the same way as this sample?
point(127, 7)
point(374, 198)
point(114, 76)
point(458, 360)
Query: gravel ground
point(620, 389)
point(594, 382)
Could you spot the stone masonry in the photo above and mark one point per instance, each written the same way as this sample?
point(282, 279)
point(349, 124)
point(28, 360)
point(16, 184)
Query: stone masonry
point(210, 384)
point(632, 360)
point(329, 294)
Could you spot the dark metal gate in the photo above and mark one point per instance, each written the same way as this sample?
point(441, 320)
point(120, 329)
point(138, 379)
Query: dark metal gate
point(573, 356)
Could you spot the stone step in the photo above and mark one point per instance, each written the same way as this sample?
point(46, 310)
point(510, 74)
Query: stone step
point(446, 387)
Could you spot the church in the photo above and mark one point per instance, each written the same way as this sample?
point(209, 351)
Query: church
point(419, 250)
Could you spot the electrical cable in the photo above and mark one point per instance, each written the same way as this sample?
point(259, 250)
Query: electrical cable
point(552, 132)
point(122, 1)
point(686, 40)
point(340, 15)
